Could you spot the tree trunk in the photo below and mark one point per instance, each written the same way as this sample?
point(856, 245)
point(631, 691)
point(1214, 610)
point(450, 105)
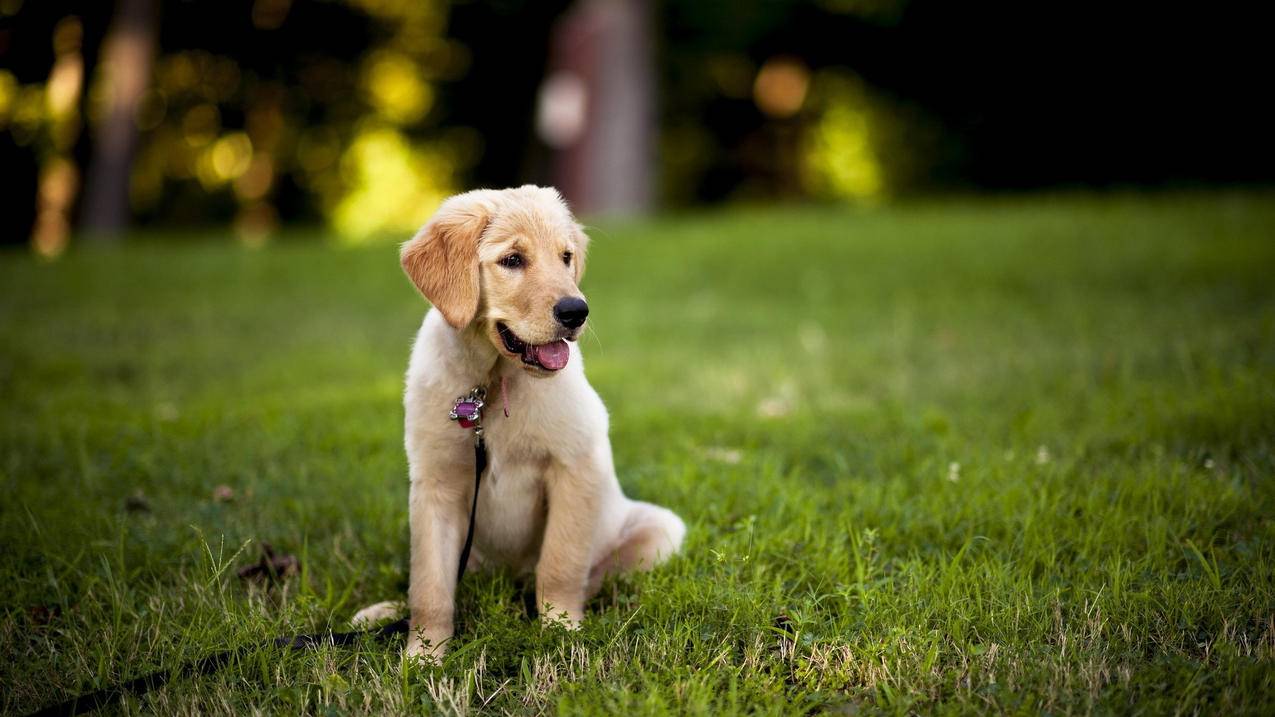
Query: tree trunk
point(600, 94)
point(125, 62)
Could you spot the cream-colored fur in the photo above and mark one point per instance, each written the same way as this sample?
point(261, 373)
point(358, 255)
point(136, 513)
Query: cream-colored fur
point(550, 502)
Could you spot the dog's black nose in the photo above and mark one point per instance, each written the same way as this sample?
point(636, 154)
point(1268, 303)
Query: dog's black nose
point(571, 312)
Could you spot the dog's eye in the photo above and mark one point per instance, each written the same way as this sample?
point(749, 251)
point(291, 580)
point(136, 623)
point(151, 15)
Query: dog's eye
point(512, 261)
point(566, 258)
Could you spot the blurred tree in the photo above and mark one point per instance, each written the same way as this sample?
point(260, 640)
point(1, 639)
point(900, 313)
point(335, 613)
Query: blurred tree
point(990, 95)
point(125, 74)
point(252, 110)
point(309, 110)
point(42, 75)
point(596, 108)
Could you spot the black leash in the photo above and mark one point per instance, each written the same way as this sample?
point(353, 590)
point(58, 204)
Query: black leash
point(480, 465)
point(468, 412)
point(139, 686)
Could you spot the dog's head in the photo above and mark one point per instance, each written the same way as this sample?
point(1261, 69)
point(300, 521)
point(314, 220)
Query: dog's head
point(508, 263)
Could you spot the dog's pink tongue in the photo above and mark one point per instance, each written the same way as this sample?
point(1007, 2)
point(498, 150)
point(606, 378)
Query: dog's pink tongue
point(552, 356)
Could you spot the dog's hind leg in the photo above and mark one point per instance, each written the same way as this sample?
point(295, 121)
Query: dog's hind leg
point(651, 535)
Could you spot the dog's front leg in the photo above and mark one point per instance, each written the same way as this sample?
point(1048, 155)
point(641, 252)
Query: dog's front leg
point(562, 572)
point(439, 509)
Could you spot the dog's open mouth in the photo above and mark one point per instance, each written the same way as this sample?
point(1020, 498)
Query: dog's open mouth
point(551, 356)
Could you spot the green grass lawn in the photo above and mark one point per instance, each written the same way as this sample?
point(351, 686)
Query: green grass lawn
point(1011, 455)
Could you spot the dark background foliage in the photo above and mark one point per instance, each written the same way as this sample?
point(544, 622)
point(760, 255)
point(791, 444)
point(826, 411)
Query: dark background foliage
point(959, 96)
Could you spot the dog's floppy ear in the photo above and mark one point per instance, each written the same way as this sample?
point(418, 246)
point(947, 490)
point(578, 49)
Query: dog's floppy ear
point(582, 247)
point(442, 259)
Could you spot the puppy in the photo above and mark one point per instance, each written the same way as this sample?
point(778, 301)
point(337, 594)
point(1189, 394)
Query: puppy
point(502, 270)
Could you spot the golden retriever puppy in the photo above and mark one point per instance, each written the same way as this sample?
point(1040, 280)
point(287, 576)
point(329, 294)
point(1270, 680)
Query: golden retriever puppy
point(502, 269)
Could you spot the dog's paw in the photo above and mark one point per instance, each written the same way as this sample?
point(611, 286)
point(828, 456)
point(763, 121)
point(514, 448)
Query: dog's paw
point(373, 615)
point(560, 618)
point(423, 651)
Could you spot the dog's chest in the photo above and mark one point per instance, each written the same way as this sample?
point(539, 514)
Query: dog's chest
point(512, 503)
point(549, 422)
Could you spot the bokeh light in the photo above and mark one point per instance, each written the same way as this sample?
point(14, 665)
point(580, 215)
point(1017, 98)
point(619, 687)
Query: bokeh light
point(838, 156)
point(394, 88)
point(393, 185)
point(781, 85)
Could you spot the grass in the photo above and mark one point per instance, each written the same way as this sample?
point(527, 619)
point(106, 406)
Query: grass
point(1007, 455)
